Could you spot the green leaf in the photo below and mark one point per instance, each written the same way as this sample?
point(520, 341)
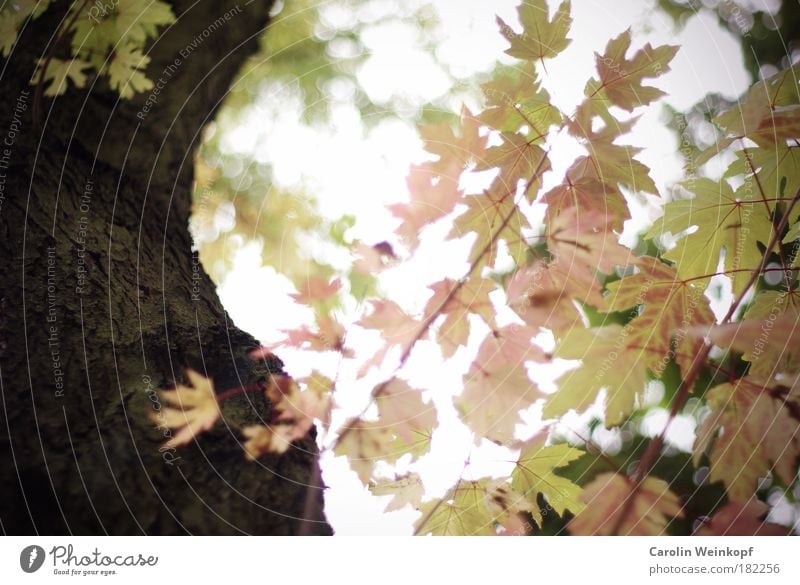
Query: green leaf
point(58, 72)
point(126, 74)
point(723, 221)
point(463, 511)
point(541, 38)
point(534, 475)
point(518, 100)
point(607, 363)
point(138, 20)
point(666, 307)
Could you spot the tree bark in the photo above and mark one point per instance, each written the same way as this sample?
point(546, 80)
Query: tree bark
point(103, 302)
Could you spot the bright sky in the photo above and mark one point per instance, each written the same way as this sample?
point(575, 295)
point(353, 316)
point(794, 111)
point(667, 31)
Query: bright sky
point(359, 172)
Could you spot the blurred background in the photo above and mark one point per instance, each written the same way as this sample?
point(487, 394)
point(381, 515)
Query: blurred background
point(316, 139)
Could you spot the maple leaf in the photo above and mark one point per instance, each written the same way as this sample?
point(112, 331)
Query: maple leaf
point(494, 394)
point(463, 511)
point(396, 327)
point(534, 474)
point(773, 303)
point(621, 78)
point(593, 121)
point(136, 20)
point(588, 194)
point(364, 443)
point(613, 164)
point(472, 297)
point(741, 519)
point(292, 415)
point(93, 36)
point(748, 434)
point(722, 221)
point(542, 293)
point(329, 336)
point(8, 32)
point(433, 195)
point(462, 149)
point(607, 363)
point(316, 289)
point(605, 498)
point(541, 38)
point(511, 344)
point(298, 408)
point(585, 238)
point(518, 158)
point(260, 440)
point(190, 410)
point(404, 426)
point(769, 113)
point(404, 489)
point(126, 71)
point(769, 344)
point(58, 72)
point(670, 308)
point(493, 218)
point(772, 170)
point(401, 408)
point(517, 101)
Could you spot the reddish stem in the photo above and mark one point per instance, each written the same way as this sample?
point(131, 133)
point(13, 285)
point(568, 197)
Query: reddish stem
point(231, 392)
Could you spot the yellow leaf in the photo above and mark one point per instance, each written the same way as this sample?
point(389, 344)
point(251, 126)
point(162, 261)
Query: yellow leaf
point(492, 216)
point(722, 221)
point(607, 363)
point(190, 410)
point(364, 442)
point(401, 409)
point(519, 158)
point(58, 72)
point(471, 298)
point(405, 489)
point(463, 511)
point(769, 113)
point(125, 72)
point(534, 474)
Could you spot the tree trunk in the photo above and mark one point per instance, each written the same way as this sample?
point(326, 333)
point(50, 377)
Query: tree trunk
point(103, 302)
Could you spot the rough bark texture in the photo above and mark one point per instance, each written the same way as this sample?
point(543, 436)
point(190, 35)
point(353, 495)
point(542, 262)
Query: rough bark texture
point(82, 353)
